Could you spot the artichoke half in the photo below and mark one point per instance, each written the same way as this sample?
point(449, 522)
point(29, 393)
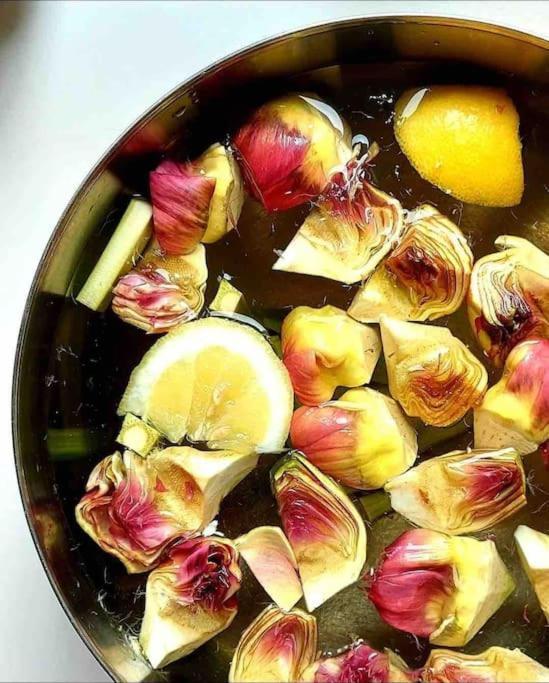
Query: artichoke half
point(362, 440)
point(440, 587)
point(432, 374)
point(190, 598)
point(324, 348)
point(323, 526)
point(508, 300)
point(533, 548)
point(135, 507)
point(352, 228)
point(426, 276)
point(461, 492)
point(275, 648)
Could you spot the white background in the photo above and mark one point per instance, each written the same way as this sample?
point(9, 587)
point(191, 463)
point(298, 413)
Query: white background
point(72, 77)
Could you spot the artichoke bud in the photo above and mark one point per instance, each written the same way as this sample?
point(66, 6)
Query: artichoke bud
point(533, 547)
point(508, 300)
point(439, 587)
point(360, 664)
point(164, 291)
point(289, 148)
point(352, 228)
point(135, 507)
point(461, 492)
point(272, 561)
point(324, 348)
point(197, 201)
point(275, 648)
point(432, 374)
point(515, 411)
point(426, 276)
point(362, 440)
point(494, 665)
point(326, 532)
point(190, 598)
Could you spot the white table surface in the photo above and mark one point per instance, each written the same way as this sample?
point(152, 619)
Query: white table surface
point(72, 77)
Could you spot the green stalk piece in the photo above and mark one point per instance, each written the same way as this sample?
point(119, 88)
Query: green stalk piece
point(137, 435)
point(124, 248)
point(376, 505)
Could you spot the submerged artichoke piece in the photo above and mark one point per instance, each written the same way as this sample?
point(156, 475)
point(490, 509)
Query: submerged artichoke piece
point(352, 228)
point(163, 291)
point(494, 665)
point(515, 411)
point(432, 374)
point(135, 507)
point(362, 440)
point(198, 201)
point(426, 276)
point(439, 587)
point(229, 299)
point(533, 547)
point(324, 348)
point(275, 648)
point(461, 492)
point(288, 149)
point(136, 435)
point(272, 561)
point(323, 526)
point(360, 664)
point(190, 598)
point(508, 300)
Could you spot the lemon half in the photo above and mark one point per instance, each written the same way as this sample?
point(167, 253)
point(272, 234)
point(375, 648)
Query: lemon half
point(213, 380)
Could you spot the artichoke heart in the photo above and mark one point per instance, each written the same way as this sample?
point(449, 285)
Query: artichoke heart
point(508, 300)
point(461, 492)
point(272, 561)
point(426, 276)
point(190, 598)
point(533, 547)
point(275, 648)
point(362, 440)
point(494, 665)
point(324, 348)
point(515, 411)
point(352, 228)
point(440, 587)
point(326, 532)
point(432, 374)
point(362, 664)
point(135, 507)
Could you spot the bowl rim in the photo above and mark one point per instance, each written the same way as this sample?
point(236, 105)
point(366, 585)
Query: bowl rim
point(316, 28)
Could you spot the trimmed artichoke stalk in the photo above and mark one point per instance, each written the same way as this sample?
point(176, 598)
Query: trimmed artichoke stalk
point(229, 299)
point(323, 526)
point(494, 665)
point(508, 300)
point(461, 492)
point(137, 435)
point(432, 374)
point(123, 250)
point(275, 648)
point(135, 507)
point(197, 201)
point(515, 411)
point(426, 277)
point(440, 587)
point(164, 291)
point(272, 561)
point(360, 664)
point(352, 228)
point(288, 149)
point(324, 348)
point(533, 548)
point(362, 440)
point(190, 598)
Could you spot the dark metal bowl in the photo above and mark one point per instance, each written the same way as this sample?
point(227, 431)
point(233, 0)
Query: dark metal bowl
point(68, 371)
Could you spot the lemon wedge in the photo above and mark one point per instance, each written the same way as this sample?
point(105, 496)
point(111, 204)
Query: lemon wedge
point(465, 140)
point(216, 381)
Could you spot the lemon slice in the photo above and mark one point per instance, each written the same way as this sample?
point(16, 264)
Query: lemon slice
point(213, 380)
